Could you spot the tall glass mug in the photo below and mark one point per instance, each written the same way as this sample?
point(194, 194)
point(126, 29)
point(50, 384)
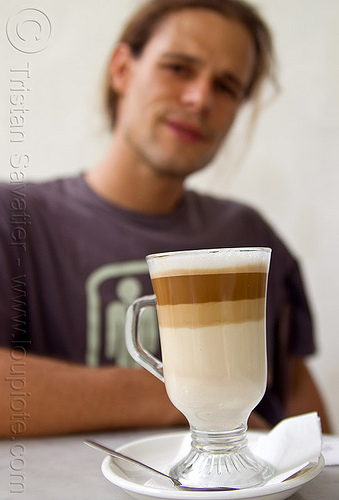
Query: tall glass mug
point(211, 307)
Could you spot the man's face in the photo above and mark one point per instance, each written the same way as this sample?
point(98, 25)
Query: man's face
point(180, 97)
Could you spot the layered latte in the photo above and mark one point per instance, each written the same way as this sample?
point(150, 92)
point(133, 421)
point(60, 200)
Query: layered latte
point(211, 312)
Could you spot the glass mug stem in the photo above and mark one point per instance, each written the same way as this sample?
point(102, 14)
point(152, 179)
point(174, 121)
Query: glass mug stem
point(213, 341)
point(221, 458)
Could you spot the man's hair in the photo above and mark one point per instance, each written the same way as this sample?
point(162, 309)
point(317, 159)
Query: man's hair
point(143, 24)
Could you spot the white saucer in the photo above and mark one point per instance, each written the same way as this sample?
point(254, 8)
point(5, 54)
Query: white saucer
point(161, 451)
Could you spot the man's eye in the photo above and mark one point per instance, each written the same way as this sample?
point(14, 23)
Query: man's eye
point(226, 88)
point(178, 69)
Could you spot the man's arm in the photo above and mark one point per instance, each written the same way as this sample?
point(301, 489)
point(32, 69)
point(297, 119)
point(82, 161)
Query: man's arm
point(42, 396)
point(304, 396)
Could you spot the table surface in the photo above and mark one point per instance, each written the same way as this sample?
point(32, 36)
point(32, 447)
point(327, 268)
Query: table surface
point(64, 468)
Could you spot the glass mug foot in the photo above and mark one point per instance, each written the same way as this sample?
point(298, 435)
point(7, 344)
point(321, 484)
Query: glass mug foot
point(221, 459)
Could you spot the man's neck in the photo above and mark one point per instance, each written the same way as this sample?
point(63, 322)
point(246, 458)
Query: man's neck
point(120, 180)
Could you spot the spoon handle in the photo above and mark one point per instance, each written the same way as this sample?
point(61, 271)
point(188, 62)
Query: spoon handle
point(116, 454)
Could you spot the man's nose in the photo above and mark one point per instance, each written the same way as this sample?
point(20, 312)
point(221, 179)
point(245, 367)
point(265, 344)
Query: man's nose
point(198, 95)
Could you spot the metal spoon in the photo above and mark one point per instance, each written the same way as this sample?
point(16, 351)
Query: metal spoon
point(174, 481)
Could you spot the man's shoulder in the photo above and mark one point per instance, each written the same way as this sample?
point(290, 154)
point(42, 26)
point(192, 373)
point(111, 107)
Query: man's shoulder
point(223, 207)
point(238, 223)
point(36, 193)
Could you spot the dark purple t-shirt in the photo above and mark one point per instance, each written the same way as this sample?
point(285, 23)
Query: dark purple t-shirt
point(71, 263)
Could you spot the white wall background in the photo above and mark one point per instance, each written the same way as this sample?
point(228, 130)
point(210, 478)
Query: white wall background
point(289, 172)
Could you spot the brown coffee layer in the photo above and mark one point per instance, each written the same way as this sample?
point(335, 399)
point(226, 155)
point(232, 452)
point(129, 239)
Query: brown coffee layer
point(202, 288)
point(211, 314)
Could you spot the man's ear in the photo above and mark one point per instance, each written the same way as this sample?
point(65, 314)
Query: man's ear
point(120, 67)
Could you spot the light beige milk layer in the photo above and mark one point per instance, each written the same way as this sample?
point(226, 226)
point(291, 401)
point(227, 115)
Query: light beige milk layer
point(215, 375)
point(210, 313)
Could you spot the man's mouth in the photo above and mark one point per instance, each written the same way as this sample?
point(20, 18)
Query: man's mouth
point(186, 131)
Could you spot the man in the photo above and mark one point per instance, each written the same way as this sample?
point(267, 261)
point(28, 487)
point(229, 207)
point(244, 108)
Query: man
point(173, 96)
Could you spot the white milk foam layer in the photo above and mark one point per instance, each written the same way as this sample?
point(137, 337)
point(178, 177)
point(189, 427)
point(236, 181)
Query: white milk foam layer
point(215, 259)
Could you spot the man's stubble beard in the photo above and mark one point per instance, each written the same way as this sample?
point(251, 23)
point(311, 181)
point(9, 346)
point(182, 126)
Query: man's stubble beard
point(165, 167)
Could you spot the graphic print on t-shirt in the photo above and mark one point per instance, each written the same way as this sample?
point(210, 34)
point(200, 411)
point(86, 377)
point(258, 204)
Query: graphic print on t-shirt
point(110, 289)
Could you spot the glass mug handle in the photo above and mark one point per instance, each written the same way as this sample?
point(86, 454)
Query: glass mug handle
point(132, 338)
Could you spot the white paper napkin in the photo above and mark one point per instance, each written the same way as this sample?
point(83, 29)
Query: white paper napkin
point(291, 443)
point(330, 449)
